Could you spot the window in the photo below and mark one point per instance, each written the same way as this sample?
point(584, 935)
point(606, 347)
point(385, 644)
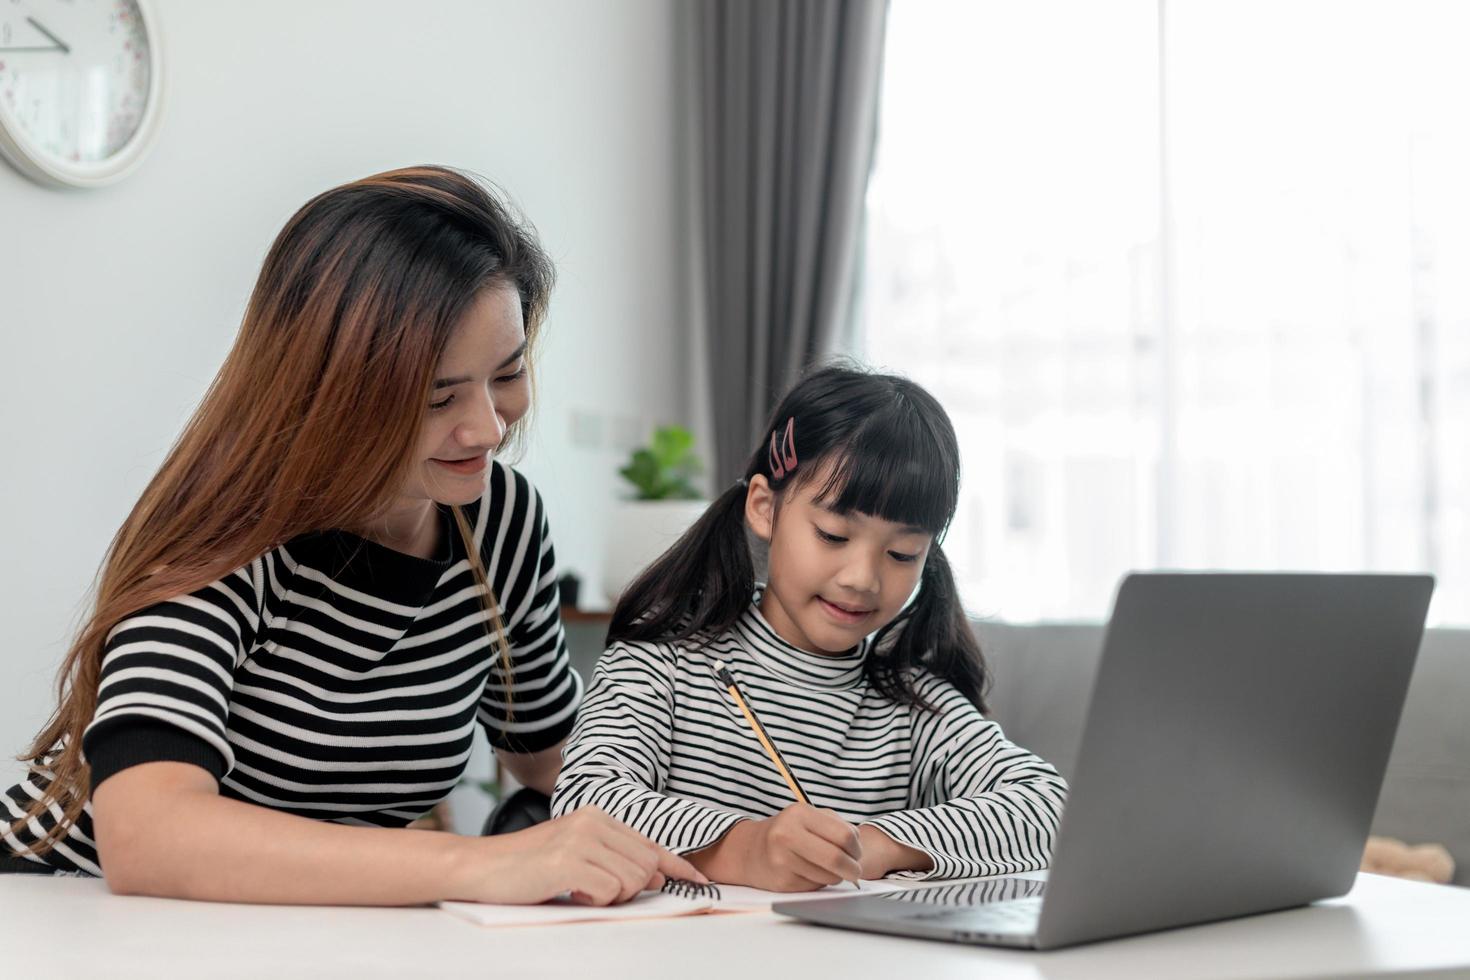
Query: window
point(1193, 281)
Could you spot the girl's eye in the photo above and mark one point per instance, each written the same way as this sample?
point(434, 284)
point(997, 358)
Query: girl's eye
point(899, 556)
point(829, 538)
point(435, 406)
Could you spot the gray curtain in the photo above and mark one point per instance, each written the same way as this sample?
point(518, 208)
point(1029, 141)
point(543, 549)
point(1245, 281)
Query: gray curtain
point(784, 120)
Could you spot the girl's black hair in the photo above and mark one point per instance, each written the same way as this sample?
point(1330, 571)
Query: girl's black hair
point(887, 450)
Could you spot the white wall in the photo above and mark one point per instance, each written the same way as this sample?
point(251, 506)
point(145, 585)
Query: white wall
point(116, 306)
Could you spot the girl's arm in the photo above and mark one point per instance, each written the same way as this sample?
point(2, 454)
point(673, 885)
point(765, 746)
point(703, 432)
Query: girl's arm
point(163, 829)
point(618, 759)
point(982, 804)
point(618, 755)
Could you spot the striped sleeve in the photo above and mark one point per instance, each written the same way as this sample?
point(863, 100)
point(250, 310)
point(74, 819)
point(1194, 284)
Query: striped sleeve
point(174, 663)
point(618, 756)
point(982, 804)
point(536, 709)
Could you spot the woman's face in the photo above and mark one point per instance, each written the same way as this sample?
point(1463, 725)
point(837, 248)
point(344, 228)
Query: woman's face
point(481, 387)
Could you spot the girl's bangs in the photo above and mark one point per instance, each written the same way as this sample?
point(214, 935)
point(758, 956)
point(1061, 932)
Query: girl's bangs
point(891, 471)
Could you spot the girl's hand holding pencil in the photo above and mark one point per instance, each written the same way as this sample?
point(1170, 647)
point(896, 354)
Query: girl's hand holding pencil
point(882, 855)
point(801, 848)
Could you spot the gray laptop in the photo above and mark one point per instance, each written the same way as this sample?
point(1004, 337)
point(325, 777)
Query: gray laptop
point(1230, 764)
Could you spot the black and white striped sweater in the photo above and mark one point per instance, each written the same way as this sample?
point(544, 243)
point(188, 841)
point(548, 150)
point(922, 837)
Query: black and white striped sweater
point(661, 746)
point(335, 678)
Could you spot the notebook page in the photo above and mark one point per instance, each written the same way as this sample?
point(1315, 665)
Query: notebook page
point(737, 897)
point(648, 905)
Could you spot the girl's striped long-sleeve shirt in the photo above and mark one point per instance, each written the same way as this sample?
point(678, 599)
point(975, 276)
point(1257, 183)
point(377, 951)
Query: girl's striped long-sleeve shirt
point(661, 745)
point(334, 678)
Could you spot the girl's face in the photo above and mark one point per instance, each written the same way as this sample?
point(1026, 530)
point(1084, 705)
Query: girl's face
point(833, 578)
point(481, 387)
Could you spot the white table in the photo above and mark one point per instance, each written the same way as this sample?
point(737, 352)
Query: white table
point(69, 927)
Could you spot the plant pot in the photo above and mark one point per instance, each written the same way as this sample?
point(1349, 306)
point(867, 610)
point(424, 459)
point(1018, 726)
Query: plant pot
point(640, 531)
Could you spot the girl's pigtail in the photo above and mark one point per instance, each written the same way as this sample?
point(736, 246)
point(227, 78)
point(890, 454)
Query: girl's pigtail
point(933, 632)
point(700, 586)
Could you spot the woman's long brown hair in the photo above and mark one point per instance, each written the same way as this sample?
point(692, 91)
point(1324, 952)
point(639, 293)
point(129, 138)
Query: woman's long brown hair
point(312, 420)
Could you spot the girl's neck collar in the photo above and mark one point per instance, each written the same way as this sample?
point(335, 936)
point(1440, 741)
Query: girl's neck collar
point(816, 670)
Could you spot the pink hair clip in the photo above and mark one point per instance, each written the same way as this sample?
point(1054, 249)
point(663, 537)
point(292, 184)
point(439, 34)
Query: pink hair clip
point(783, 455)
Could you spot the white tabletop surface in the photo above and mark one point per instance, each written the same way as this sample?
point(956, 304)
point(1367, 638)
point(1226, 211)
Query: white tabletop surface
point(71, 927)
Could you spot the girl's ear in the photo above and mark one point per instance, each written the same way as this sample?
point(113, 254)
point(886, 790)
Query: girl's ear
point(760, 506)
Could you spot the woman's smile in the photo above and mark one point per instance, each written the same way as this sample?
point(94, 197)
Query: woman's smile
point(467, 467)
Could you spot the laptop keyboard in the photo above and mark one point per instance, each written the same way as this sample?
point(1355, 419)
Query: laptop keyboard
point(1018, 912)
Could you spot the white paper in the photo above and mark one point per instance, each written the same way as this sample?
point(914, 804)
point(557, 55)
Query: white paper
point(745, 897)
point(648, 905)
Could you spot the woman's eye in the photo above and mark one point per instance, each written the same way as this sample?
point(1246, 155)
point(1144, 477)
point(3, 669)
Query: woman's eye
point(899, 556)
point(435, 406)
point(829, 538)
point(512, 378)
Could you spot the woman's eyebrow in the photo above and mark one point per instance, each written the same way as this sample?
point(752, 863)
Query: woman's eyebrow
point(515, 356)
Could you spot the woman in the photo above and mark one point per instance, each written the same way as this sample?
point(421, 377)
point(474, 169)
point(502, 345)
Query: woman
point(327, 584)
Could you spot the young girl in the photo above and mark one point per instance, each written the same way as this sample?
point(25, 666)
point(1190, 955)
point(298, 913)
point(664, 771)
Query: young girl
point(874, 701)
point(326, 588)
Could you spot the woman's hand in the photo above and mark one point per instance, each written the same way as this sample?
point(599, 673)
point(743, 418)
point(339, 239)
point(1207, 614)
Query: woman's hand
point(595, 858)
point(801, 848)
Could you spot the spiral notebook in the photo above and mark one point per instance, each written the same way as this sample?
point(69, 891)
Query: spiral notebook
point(676, 898)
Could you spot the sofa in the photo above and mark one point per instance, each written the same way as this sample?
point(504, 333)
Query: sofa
point(1043, 677)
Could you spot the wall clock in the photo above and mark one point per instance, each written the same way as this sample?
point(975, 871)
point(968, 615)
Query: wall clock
point(80, 87)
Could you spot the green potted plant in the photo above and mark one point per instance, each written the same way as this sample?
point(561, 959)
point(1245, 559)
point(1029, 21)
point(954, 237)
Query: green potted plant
point(663, 505)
